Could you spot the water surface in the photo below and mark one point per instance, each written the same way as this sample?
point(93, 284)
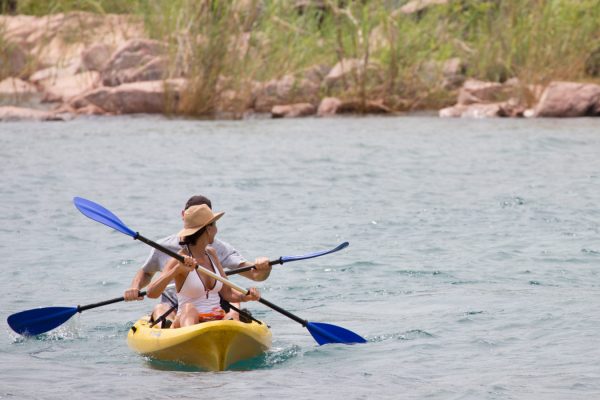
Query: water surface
point(472, 268)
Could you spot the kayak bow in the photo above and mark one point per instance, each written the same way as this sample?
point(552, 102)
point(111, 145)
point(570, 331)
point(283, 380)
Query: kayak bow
point(212, 346)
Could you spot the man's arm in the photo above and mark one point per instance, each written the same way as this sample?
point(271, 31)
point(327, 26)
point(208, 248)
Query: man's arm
point(140, 280)
point(261, 271)
point(231, 259)
point(153, 264)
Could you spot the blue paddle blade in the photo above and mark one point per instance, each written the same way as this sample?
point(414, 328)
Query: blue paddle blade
point(98, 213)
point(39, 320)
point(313, 255)
point(327, 333)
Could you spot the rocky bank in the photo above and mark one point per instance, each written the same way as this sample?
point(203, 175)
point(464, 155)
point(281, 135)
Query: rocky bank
point(64, 65)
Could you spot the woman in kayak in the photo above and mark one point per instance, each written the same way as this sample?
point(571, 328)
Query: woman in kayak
point(229, 257)
point(198, 293)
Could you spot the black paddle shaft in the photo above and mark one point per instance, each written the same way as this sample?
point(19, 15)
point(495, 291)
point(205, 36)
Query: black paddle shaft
point(251, 267)
point(164, 316)
point(288, 314)
point(282, 259)
point(104, 303)
point(179, 257)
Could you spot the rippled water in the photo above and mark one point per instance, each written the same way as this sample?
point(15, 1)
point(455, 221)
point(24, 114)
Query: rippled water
point(472, 268)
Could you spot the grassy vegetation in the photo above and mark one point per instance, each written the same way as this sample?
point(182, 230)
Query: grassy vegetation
point(225, 45)
point(45, 7)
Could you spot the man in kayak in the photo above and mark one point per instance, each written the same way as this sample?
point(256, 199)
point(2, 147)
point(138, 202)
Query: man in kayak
point(156, 261)
point(198, 290)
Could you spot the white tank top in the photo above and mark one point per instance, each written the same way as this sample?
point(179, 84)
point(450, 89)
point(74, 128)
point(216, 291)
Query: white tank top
point(194, 292)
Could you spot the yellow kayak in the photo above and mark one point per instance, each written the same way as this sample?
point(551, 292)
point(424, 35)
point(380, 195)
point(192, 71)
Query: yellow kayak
point(213, 346)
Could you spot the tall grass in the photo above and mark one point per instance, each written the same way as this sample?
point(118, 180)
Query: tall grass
point(531, 39)
point(44, 7)
point(224, 46)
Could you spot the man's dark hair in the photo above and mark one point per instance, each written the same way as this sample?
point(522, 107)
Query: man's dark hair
point(198, 200)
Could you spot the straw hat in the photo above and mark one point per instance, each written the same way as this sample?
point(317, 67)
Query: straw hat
point(196, 218)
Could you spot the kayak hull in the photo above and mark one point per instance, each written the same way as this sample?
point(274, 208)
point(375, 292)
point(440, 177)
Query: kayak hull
point(212, 346)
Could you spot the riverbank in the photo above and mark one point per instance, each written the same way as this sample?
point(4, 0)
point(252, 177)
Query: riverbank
point(238, 59)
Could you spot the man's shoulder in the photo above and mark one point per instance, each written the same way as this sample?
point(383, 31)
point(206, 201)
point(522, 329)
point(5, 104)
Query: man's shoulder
point(221, 246)
point(217, 243)
point(170, 242)
point(171, 239)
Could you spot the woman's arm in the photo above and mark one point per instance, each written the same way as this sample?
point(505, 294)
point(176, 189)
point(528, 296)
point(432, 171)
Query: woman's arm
point(173, 269)
point(156, 288)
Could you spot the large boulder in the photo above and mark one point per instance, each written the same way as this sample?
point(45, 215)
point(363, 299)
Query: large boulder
point(329, 106)
point(332, 105)
point(363, 107)
point(65, 88)
point(569, 99)
point(316, 73)
point(474, 91)
point(510, 108)
point(230, 103)
point(55, 72)
point(62, 83)
point(472, 111)
point(14, 91)
point(482, 99)
point(11, 113)
point(136, 60)
point(350, 72)
point(293, 110)
point(284, 91)
point(57, 39)
point(20, 29)
point(13, 61)
point(152, 97)
point(449, 74)
point(95, 57)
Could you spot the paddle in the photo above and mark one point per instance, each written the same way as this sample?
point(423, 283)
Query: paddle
point(321, 332)
point(40, 320)
point(284, 259)
point(164, 316)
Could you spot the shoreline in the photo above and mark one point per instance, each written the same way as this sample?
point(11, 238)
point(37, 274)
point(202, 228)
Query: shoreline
point(51, 72)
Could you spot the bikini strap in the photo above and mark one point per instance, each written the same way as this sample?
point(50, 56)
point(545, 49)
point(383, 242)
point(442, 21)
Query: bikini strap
point(215, 269)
